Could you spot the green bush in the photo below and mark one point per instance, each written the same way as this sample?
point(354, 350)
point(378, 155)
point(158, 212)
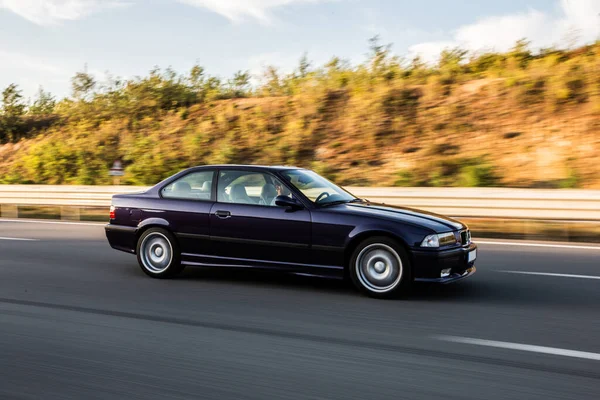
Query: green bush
point(570, 182)
point(458, 172)
point(356, 120)
point(404, 179)
point(477, 176)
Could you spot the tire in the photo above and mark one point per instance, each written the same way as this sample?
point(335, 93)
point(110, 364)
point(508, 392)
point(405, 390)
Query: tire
point(380, 268)
point(158, 254)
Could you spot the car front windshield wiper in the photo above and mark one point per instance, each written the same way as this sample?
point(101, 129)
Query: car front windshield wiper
point(337, 202)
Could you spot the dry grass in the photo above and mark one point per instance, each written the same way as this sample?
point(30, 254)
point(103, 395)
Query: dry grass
point(479, 132)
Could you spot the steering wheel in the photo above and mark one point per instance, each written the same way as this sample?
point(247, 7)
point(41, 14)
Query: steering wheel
point(321, 196)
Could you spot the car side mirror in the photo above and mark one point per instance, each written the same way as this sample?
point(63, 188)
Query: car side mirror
point(287, 201)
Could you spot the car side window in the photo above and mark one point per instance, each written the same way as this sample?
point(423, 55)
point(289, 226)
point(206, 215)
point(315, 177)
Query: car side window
point(194, 186)
point(248, 187)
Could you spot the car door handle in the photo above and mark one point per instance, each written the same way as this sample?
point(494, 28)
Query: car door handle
point(223, 214)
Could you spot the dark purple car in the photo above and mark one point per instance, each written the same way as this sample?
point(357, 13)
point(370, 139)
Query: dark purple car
point(287, 219)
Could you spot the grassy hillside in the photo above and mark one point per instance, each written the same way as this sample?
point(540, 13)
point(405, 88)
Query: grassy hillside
point(515, 119)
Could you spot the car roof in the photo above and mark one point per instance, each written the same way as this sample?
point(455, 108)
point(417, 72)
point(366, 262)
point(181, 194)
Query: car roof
point(248, 166)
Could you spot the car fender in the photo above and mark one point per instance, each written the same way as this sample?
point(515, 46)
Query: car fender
point(407, 234)
point(154, 221)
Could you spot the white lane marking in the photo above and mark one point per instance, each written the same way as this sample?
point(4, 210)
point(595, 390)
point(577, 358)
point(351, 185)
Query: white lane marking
point(524, 244)
point(26, 221)
point(523, 347)
point(19, 239)
point(552, 274)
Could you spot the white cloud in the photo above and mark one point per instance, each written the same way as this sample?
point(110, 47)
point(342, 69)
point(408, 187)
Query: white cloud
point(236, 10)
point(49, 12)
point(429, 51)
point(577, 22)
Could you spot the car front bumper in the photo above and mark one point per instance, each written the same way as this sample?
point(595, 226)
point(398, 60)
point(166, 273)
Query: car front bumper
point(428, 264)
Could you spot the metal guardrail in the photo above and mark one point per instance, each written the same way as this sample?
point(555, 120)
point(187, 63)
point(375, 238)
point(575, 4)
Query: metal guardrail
point(568, 205)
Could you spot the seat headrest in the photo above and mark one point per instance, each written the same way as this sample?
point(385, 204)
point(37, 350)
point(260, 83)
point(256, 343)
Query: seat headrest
point(238, 192)
point(268, 190)
point(182, 187)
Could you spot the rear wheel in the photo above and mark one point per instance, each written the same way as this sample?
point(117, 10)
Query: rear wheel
point(380, 268)
point(158, 253)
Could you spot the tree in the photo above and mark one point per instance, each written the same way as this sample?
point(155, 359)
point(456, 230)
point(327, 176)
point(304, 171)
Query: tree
point(451, 60)
point(197, 81)
point(337, 72)
point(486, 61)
point(336, 64)
point(12, 109)
point(44, 103)
point(378, 53)
point(212, 88)
point(304, 66)
point(12, 101)
point(382, 62)
point(197, 76)
point(521, 53)
point(173, 90)
point(82, 85)
point(272, 82)
point(240, 84)
point(417, 70)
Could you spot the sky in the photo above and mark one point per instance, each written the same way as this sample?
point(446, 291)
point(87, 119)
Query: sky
point(44, 42)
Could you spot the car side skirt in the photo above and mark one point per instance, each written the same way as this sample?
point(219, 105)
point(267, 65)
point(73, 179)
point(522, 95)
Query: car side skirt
point(203, 260)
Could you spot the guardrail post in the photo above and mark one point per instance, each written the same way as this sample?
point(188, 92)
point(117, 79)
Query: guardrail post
point(70, 213)
point(529, 232)
point(9, 211)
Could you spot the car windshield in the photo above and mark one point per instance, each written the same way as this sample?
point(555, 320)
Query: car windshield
point(316, 188)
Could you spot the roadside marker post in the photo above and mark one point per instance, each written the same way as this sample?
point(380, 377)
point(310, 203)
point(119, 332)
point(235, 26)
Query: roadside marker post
point(117, 172)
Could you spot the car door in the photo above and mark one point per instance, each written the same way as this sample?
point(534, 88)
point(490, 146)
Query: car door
point(186, 204)
point(248, 229)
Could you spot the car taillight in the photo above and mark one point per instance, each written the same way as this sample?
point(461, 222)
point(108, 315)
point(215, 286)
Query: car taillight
point(112, 212)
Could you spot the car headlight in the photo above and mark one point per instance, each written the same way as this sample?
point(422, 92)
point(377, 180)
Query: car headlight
point(438, 240)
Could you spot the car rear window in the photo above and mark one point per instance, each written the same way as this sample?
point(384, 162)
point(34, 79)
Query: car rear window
point(193, 186)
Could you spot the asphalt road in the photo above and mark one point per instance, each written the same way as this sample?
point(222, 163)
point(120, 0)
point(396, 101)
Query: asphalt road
point(79, 320)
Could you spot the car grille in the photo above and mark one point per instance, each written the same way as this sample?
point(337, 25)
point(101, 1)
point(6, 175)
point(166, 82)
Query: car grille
point(465, 237)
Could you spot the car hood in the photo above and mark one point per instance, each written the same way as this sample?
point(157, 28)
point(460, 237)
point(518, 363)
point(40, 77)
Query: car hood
point(435, 222)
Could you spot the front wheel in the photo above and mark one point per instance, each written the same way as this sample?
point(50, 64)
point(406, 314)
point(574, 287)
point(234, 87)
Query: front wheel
point(380, 268)
point(158, 253)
